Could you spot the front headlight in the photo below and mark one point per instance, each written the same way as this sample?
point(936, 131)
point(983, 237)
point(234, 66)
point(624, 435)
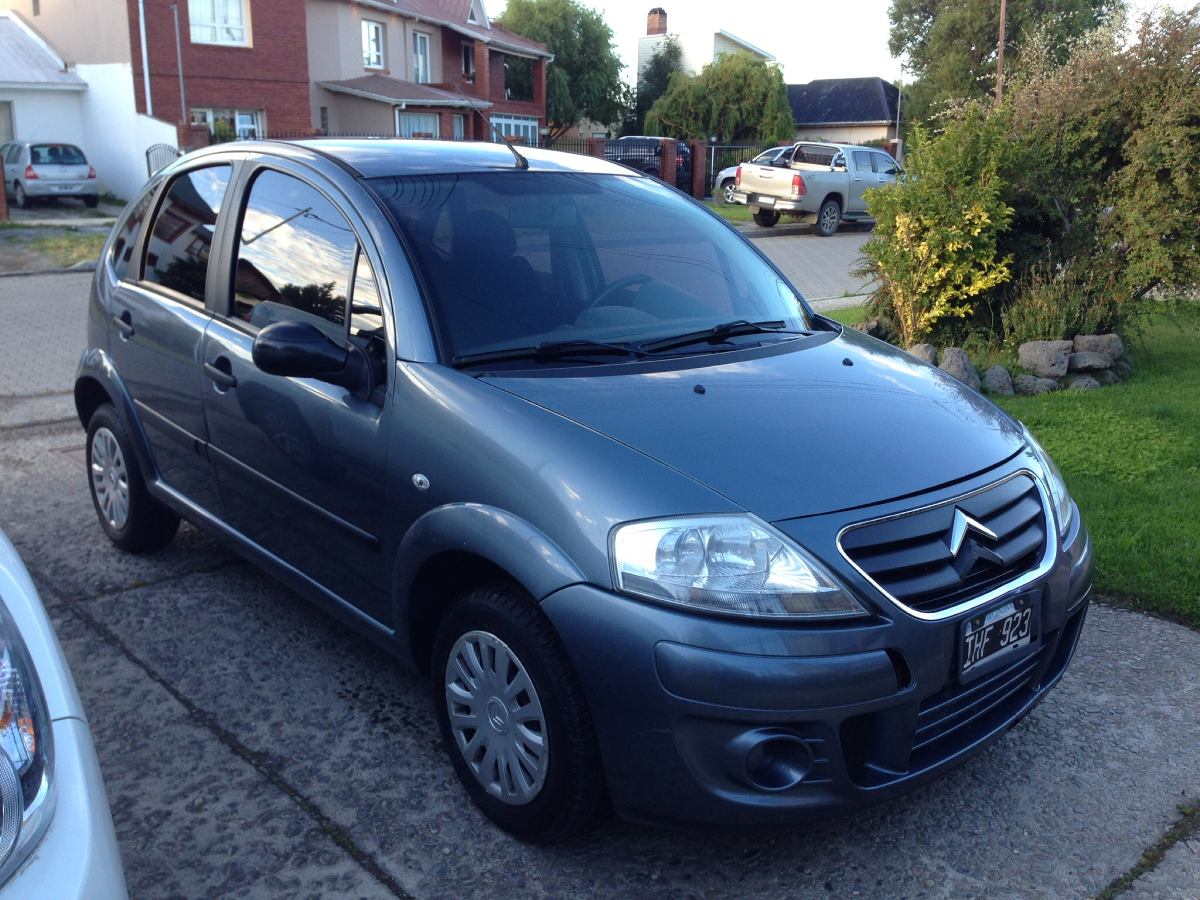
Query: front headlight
point(726, 564)
point(25, 750)
point(1054, 481)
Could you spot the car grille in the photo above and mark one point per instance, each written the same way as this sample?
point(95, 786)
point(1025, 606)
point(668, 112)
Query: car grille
point(958, 706)
point(909, 556)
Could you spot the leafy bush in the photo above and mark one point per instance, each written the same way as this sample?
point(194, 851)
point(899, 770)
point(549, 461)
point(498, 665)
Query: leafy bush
point(1057, 304)
point(934, 250)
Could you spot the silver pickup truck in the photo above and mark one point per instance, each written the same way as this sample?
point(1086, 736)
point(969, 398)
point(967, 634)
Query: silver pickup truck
point(814, 182)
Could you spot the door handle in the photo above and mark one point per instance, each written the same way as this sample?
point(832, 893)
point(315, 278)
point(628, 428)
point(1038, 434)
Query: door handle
point(218, 371)
point(124, 324)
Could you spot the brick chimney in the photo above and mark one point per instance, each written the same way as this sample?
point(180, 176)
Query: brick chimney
point(656, 21)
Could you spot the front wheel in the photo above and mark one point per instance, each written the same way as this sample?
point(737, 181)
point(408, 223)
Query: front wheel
point(132, 519)
point(725, 194)
point(766, 218)
point(513, 716)
point(829, 218)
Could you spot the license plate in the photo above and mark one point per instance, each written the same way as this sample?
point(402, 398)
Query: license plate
point(991, 636)
point(65, 188)
point(766, 201)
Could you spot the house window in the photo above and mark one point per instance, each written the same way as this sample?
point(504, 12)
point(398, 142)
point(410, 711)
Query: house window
point(324, 112)
point(230, 124)
point(518, 78)
point(468, 60)
point(459, 133)
point(219, 22)
point(372, 41)
point(420, 57)
point(37, 8)
point(417, 125)
point(523, 128)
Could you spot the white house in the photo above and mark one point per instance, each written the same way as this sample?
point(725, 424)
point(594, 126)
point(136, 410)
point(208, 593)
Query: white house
point(700, 41)
point(42, 97)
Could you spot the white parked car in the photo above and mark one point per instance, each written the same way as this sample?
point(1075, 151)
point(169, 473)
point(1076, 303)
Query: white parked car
point(56, 832)
point(42, 169)
point(725, 183)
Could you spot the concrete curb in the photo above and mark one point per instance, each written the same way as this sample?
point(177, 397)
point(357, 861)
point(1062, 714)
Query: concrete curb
point(78, 269)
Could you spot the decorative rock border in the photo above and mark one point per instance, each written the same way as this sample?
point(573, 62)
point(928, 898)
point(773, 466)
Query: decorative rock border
point(1088, 362)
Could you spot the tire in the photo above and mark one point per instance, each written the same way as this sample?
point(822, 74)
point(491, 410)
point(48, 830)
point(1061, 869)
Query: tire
point(561, 791)
point(725, 194)
point(829, 218)
point(91, 201)
point(132, 519)
point(766, 218)
point(22, 198)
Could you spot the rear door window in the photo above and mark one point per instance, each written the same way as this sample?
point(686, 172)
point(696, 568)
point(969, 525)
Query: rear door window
point(296, 253)
point(862, 160)
point(178, 248)
point(127, 236)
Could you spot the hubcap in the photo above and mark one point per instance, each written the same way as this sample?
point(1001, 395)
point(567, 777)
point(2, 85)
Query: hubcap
point(831, 218)
point(729, 189)
point(496, 718)
point(110, 479)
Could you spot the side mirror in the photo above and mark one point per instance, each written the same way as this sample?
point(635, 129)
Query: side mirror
point(295, 349)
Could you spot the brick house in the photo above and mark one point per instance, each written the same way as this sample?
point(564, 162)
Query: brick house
point(422, 68)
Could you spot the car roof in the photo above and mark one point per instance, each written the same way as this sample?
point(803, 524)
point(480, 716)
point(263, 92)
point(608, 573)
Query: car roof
point(375, 158)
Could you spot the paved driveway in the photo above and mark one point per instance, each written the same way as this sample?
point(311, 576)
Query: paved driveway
point(252, 746)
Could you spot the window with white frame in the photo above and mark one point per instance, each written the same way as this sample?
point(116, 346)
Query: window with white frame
point(459, 131)
point(417, 125)
point(524, 128)
point(219, 22)
point(420, 57)
point(230, 124)
point(372, 44)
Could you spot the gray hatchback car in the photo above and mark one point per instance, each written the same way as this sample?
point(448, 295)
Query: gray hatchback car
point(558, 437)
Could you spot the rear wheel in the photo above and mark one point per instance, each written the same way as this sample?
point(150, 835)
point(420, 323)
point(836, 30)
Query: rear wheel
point(766, 218)
point(725, 194)
point(91, 201)
point(513, 716)
point(21, 197)
point(132, 519)
point(829, 218)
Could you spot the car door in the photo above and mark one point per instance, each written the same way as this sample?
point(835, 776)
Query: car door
point(862, 178)
point(886, 168)
point(158, 317)
point(301, 462)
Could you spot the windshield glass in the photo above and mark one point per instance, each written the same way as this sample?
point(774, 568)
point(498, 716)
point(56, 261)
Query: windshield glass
point(56, 155)
point(514, 259)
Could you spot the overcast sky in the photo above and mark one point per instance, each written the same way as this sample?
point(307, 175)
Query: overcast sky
point(828, 39)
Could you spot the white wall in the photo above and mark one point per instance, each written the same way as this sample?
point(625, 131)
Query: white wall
point(114, 135)
point(845, 134)
point(46, 115)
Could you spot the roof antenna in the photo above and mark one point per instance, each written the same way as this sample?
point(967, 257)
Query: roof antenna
point(522, 162)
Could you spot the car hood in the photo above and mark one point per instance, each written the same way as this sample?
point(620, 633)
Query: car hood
point(846, 423)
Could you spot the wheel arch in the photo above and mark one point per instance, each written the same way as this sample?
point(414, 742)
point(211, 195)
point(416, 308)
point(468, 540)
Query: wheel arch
point(458, 546)
point(97, 383)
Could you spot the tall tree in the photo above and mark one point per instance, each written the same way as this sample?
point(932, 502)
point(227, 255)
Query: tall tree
point(584, 81)
point(735, 97)
point(952, 45)
point(652, 83)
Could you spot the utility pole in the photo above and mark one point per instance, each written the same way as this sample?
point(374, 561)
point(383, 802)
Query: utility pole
point(1000, 56)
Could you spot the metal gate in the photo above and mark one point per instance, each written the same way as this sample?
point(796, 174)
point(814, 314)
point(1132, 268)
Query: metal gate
point(160, 156)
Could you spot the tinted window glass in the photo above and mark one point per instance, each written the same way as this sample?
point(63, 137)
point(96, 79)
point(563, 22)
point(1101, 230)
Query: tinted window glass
point(512, 259)
point(122, 250)
point(57, 155)
point(14, 153)
point(862, 160)
point(295, 255)
point(177, 252)
point(884, 164)
point(366, 310)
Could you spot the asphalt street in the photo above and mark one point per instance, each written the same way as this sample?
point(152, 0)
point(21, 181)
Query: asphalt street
point(253, 747)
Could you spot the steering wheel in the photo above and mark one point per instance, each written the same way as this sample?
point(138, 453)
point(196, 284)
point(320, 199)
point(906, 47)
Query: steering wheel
point(619, 284)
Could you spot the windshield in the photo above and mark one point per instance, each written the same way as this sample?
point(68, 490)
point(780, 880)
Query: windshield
point(515, 259)
point(56, 155)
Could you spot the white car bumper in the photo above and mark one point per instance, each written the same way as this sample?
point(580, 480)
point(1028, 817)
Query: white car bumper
point(77, 857)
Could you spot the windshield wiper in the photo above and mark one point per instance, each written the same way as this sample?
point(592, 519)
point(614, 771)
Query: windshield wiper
point(718, 334)
point(548, 351)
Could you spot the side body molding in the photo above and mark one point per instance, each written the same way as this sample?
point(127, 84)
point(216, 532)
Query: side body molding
point(96, 365)
point(499, 537)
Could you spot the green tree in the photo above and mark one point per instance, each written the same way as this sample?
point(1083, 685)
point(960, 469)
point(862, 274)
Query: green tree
point(735, 97)
point(951, 44)
point(652, 83)
point(584, 81)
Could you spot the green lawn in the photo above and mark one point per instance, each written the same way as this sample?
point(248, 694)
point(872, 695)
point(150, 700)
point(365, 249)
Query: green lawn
point(850, 315)
point(69, 246)
point(732, 213)
point(1131, 457)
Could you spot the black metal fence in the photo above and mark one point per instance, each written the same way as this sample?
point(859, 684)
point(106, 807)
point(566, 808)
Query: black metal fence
point(724, 156)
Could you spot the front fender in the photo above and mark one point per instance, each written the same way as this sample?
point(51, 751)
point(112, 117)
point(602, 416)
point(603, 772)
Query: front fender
point(97, 381)
point(538, 564)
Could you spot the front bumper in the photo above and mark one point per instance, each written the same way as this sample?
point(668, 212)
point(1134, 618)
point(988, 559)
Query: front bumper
point(77, 857)
point(867, 711)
